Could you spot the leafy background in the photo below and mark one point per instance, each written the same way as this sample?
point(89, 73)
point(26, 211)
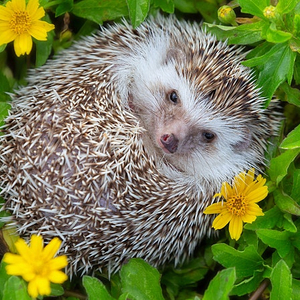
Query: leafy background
point(265, 262)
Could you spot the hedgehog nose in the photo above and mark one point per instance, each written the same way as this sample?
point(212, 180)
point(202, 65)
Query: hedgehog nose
point(170, 142)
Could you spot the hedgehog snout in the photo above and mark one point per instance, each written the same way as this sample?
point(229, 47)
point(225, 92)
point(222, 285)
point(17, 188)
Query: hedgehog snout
point(169, 143)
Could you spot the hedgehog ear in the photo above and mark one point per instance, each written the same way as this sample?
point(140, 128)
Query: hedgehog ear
point(174, 54)
point(245, 142)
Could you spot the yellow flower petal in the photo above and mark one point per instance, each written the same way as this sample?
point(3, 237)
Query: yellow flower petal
point(36, 245)
point(6, 35)
point(221, 220)
point(249, 177)
point(39, 30)
point(33, 288)
point(23, 44)
point(58, 263)
point(43, 285)
point(5, 14)
point(235, 227)
point(11, 258)
point(22, 248)
point(215, 208)
point(35, 12)
point(226, 190)
point(51, 249)
point(239, 183)
point(258, 194)
point(57, 277)
point(16, 5)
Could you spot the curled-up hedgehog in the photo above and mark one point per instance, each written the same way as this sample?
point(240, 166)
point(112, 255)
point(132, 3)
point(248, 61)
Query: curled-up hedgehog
point(118, 145)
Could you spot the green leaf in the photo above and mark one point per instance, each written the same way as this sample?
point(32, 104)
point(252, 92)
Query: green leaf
point(285, 6)
point(166, 5)
point(243, 35)
point(186, 6)
point(4, 108)
point(254, 7)
point(15, 289)
point(44, 48)
point(140, 280)
point(56, 290)
point(292, 95)
point(245, 262)
point(95, 289)
point(280, 164)
point(274, 35)
point(295, 289)
point(63, 7)
point(276, 69)
point(3, 278)
point(280, 240)
point(281, 280)
point(269, 220)
point(292, 141)
point(248, 285)
point(221, 285)
point(286, 203)
point(138, 10)
point(99, 12)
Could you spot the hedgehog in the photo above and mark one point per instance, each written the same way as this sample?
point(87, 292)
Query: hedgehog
point(118, 144)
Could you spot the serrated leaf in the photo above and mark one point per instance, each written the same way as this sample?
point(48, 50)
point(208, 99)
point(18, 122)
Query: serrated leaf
point(140, 280)
point(95, 289)
point(243, 35)
point(286, 203)
point(292, 141)
point(281, 280)
point(277, 68)
point(280, 240)
point(221, 285)
point(100, 11)
point(254, 7)
point(138, 10)
point(285, 6)
point(280, 164)
point(15, 289)
point(245, 262)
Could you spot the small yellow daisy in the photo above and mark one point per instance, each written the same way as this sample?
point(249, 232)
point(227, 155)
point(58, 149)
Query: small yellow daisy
point(20, 22)
point(36, 264)
point(240, 203)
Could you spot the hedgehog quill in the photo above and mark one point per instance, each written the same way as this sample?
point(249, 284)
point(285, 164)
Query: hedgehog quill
point(117, 145)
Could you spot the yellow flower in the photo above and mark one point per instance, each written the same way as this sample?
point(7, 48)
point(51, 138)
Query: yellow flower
point(240, 205)
point(20, 22)
point(37, 265)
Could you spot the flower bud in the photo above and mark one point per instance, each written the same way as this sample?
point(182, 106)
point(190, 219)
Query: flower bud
point(226, 15)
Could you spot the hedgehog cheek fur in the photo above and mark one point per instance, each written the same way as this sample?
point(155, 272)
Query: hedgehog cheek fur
point(122, 150)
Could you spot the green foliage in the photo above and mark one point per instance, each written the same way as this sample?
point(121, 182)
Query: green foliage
point(268, 252)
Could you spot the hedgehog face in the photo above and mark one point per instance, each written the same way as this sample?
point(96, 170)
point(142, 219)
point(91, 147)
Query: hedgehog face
point(200, 108)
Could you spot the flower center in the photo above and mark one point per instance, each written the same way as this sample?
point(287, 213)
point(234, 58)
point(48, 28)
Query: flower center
point(236, 205)
point(20, 22)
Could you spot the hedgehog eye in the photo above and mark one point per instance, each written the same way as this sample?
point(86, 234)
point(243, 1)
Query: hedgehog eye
point(173, 97)
point(208, 136)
